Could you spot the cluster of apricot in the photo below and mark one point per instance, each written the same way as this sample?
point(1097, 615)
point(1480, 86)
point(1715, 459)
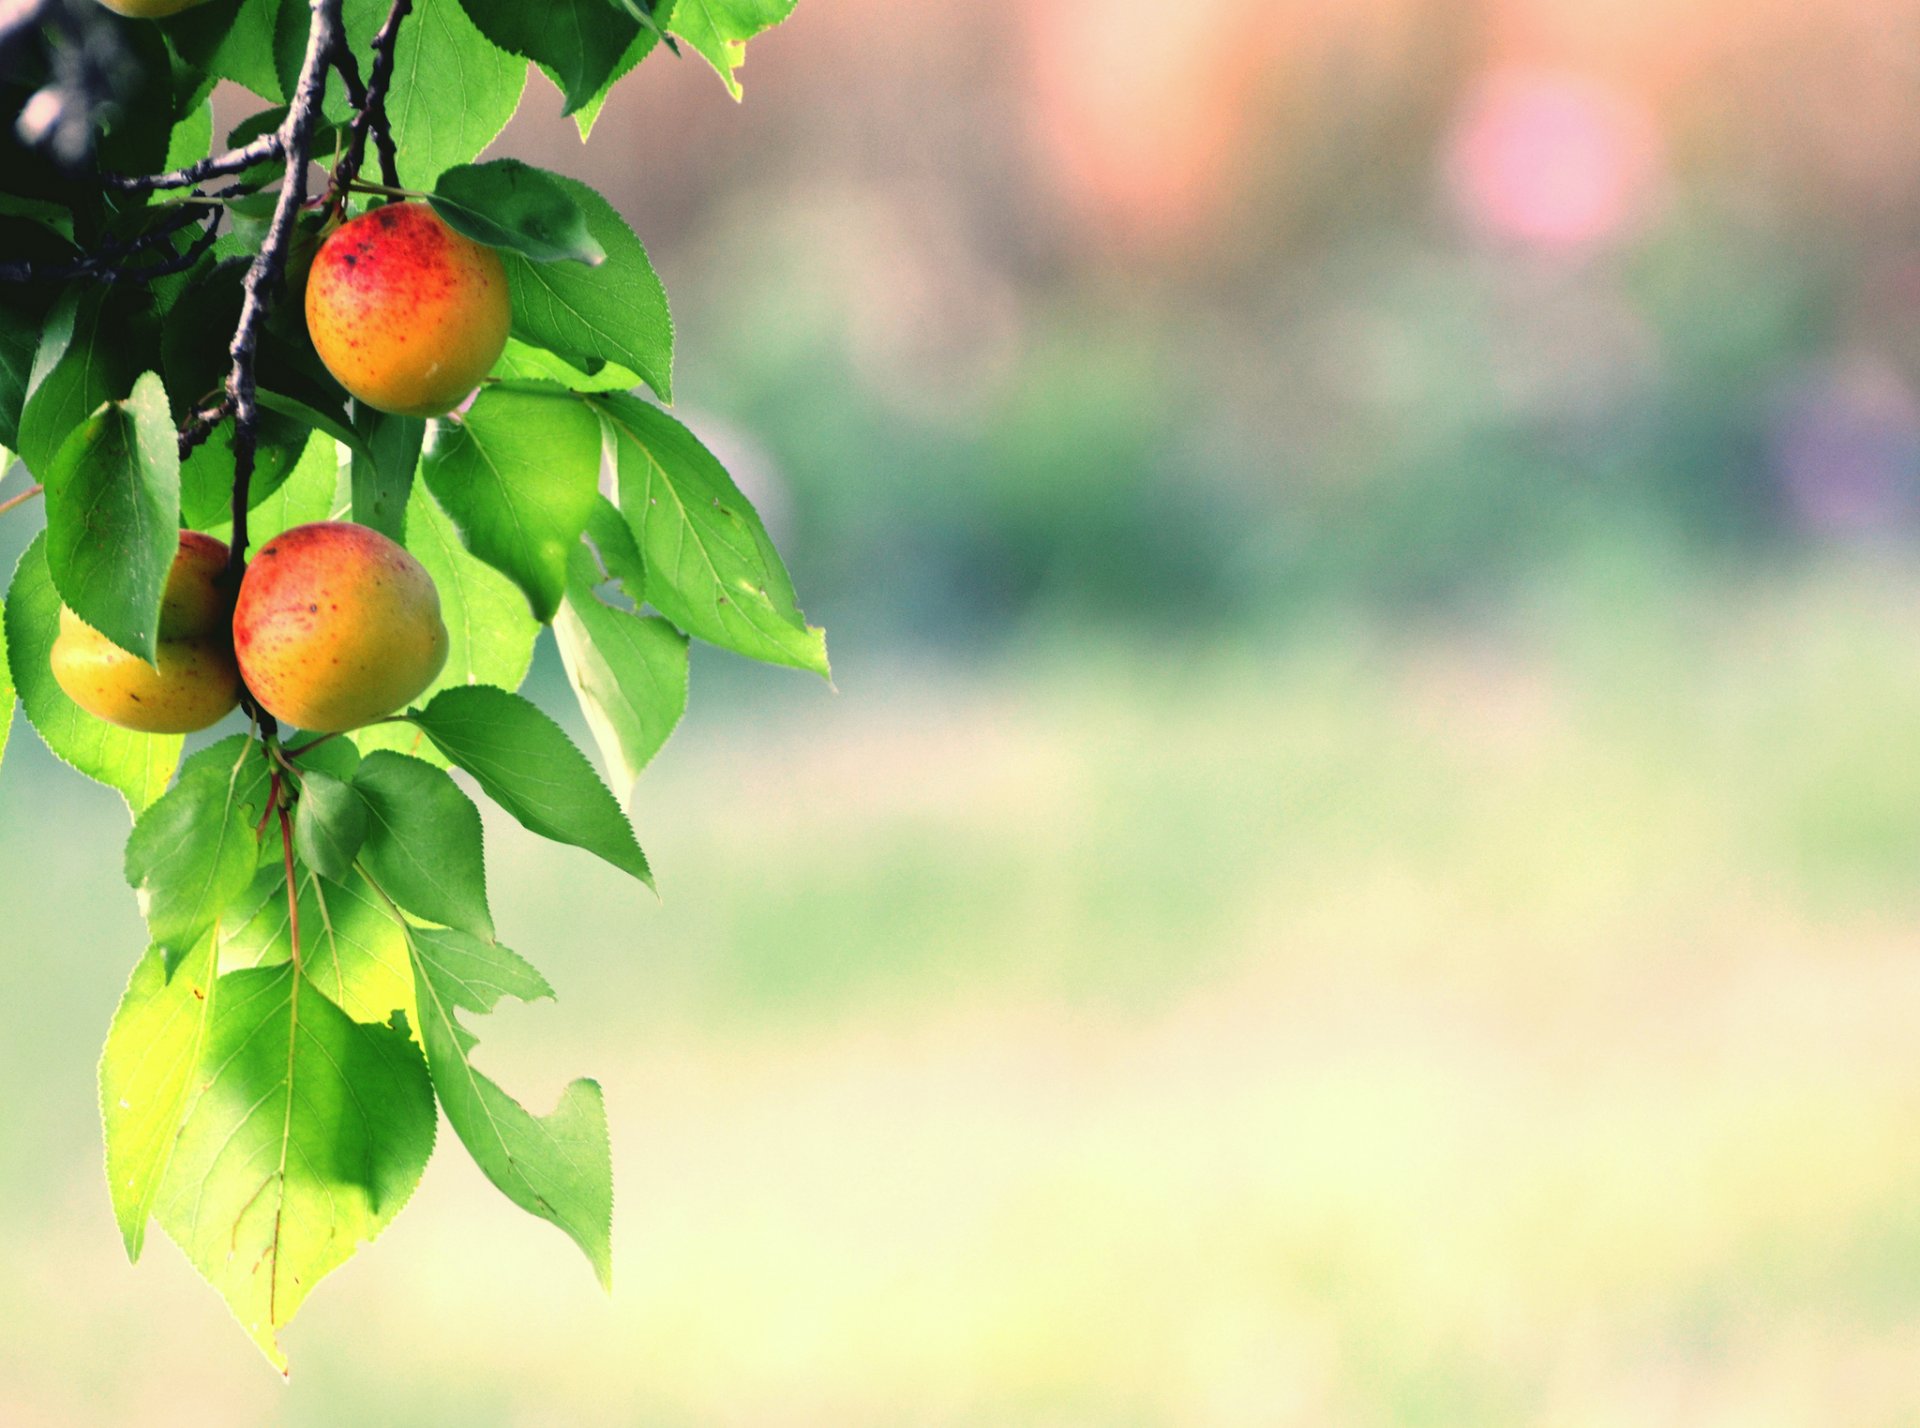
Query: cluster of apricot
point(334, 625)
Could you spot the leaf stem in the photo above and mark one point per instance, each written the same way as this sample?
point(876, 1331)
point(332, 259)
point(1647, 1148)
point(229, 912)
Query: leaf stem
point(293, 891)
point(22, 497)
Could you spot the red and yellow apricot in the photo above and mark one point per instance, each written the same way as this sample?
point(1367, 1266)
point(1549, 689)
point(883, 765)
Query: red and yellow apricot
point(337, 626)
point(193, 682)
point(407, 314)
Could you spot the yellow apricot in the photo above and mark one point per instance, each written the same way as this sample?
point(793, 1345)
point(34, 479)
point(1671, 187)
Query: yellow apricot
point(337, 626)
point(195, 682)
point(407, 314)
point(150, 9)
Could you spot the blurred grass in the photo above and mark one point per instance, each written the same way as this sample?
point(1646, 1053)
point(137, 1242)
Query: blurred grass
point(1504, 1022)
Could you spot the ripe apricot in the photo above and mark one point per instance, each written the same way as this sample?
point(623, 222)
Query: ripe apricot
point(407, 314)
point(337, 626)
point(196, 682)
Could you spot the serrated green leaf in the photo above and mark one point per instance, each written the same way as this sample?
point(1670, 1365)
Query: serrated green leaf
point(424, 842)
point(193, 852)
point(308, 1135)
point(82, 360)
point(232, 39)
point(146, 1077)
point(523, 362)
point(191, 140)
point(113, 517)
point(314, 419)
point(711, 566)
point(512, 205)
point(720, 29)
point(490, 629)
point(6, 685)
point(578, 42)
point(382, 471)
point(349, 945)
point(329, 824)
point(629, 672)
point(138, 765)
point(616, 312)
point(613, 541)
point(206, 476)
point(558, 1166)
point(519, 474)
point(527, 765)
point(453, 91)
point(19, 341)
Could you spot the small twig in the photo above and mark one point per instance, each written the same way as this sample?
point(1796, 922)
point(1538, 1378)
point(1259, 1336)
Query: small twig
point(21, 498)
point(310, 745)
point(201, 425)
point(268, 146)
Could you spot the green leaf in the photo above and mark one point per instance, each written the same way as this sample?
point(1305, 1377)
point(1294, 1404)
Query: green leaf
point(522, 362)
point(578, 42)
point(453, 91)
point(138, 765)
point(329, 824)
point(720, 29)
point(588, 114)
point(529, 767)
point(113, 517)
point(619, 552)
point(558, 1166)
point(83, 360)
point(308, 1135)
point(206, 476)
point(511, 205)
point(629, 671)
point(711, 566)
point(306, 495)
point(490, 630)
point(519, 474)
point(383, 467)
point(349, 945)
point(192, 139)
point(424, 843)
point(193, 852)
point(616, 312)
point(19, 340)
point(232, 39)
point(146, 1076)
point(6, 686)
point(315, 419)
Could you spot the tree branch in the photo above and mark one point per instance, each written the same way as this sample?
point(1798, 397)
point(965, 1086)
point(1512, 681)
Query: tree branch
point(324, 39)
point(370, 104)
point(234, 161)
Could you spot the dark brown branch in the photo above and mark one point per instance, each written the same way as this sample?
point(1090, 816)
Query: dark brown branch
point(324, 39)
point(370, 105)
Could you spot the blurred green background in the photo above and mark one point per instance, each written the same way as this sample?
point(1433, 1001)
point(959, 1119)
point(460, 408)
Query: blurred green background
point(1362, 868)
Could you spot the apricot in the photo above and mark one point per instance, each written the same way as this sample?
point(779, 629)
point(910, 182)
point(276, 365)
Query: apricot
point(407, 314)
point(337, 626)
point(150, 9)
point(194, 682)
